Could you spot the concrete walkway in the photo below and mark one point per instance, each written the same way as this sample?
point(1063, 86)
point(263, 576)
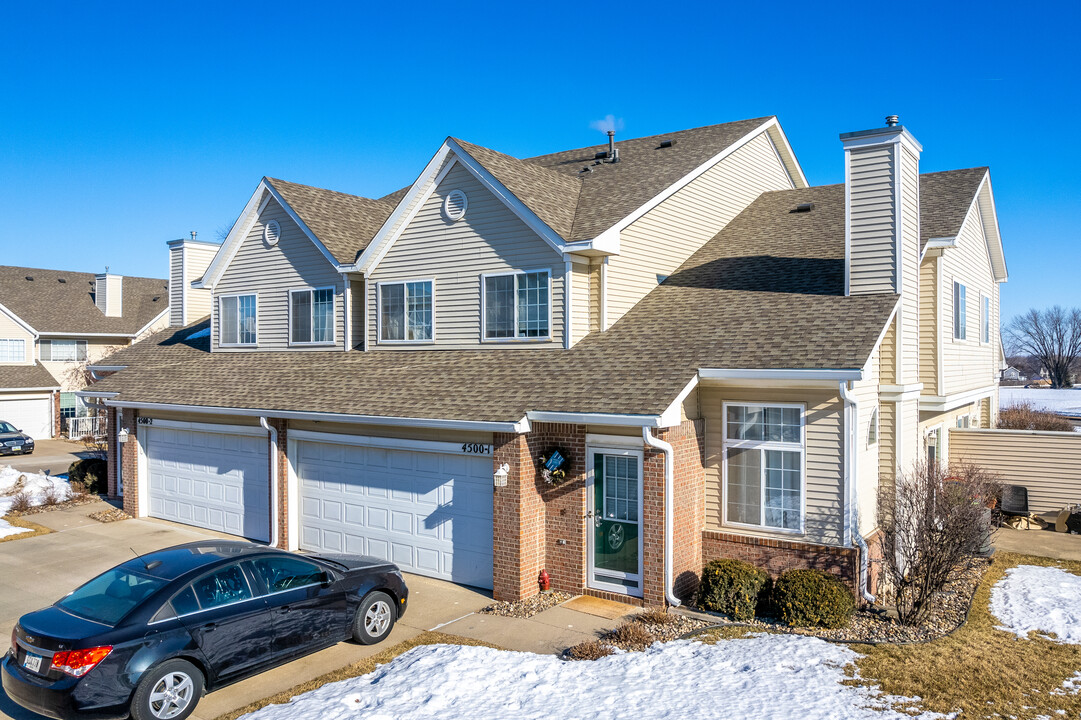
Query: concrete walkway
point(1044, 543)
point(53, 456)
point(38, 570)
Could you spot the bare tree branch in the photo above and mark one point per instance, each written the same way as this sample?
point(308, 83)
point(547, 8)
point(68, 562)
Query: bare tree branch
point(1052, 337)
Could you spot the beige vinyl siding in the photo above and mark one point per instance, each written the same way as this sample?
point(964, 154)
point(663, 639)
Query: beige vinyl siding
point(887, 449)
point(197, 417)
point(824, 481)
point(867, 454)
point(489, 239)
point(432, 434)
point(176, 289)
point(969, 364)
point(270, 272)
point(199, 257)
point(910, 269)
point(929, 329)
point(581, 307)
point(595, 294)
point(11, 330)
point(873, 230)
point(1045, 463)
point(908, 447)
point(887, 355)
point(69, 375)
point(356, 313)
point(662, 239)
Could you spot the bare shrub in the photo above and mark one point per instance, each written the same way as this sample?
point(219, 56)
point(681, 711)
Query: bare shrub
point(97, 447)
point(655, 616)
point(51, 497)
point(589, 650)
point(21, 501)
point(78, 489)
point(932, 520)
point(1023, 416)
point(631, 636)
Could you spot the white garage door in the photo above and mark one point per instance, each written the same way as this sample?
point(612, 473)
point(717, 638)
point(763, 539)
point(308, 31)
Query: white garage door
point(33, 416)
point(428, 512)
point(214, 480)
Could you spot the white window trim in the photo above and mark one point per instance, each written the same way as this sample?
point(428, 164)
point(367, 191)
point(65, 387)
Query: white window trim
point(333, 315)
point(764, 445)
point(872, 423)
point(614, 449)
point(239, 344)
point(985, 317)
point(484, 308)
point(22, 359)
point(51, 340)
point(379, 312)
point(953, 296)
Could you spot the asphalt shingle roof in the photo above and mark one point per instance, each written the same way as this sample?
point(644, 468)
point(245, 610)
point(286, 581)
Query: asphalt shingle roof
point(58, 301)
point(26, 376)
point(945, 198)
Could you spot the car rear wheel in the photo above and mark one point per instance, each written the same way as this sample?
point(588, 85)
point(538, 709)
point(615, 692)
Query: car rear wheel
point(374, 619)
point(168, 692)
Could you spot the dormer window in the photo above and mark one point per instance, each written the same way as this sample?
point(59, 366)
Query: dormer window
point(12, 350)
point(406, 312)
point(517, 306)
point(237, 320)
point(311, 317)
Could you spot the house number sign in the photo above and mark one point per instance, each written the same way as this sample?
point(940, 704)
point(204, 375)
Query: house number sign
point(476, 449)
point(144, 420)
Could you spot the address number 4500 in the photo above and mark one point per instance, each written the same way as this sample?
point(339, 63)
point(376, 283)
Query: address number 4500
point(476, 449)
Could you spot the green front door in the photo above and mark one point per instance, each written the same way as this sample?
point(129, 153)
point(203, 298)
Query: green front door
point(615, 554)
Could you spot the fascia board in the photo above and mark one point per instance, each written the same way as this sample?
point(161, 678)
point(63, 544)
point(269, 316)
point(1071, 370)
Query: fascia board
point(232, 242)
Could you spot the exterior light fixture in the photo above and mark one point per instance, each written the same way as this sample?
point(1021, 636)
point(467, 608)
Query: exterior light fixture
point(122, 436)
point(501, 475)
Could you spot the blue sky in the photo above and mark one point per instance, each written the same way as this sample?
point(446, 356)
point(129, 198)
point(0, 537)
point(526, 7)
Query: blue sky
point(124, 125)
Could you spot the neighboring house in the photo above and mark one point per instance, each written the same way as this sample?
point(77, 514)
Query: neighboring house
point(728, 361)
point(52, 323)
point(1012, 374)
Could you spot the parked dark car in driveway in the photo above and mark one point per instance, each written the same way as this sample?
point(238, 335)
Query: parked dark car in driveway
point(14, 441)
point(150, 636)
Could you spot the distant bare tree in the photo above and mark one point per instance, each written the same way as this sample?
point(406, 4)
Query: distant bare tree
point(933, 520)
point(1052, 337)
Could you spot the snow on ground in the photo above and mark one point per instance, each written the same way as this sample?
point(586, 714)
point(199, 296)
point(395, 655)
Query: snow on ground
point(35, 484)
point(1067, 402)
point(1044, 599)
point(6, 529)
point(767, 676)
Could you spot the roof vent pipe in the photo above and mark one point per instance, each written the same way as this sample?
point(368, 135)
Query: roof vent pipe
point(613, 154)
point(892, 120)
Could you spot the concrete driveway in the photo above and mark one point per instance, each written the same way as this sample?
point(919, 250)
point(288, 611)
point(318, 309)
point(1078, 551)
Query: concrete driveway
point(53, 456)
point(39, 570)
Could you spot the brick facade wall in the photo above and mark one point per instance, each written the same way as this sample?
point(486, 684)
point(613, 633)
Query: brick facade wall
point(111, 450)
point(688, 505)
point(283, 479)
point(518, 524)
point(776, 556)
point(56, 414)
point(129, 459)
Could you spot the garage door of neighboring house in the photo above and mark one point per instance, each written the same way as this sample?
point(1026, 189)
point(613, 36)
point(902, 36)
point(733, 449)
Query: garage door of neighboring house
point(34, 416)
point(425, 506)
point(218, 480)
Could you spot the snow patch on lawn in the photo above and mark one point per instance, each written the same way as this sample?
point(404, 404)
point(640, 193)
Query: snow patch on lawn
point(35, 484)
point(767, 676)
point(6, 529)
point(1042, 599)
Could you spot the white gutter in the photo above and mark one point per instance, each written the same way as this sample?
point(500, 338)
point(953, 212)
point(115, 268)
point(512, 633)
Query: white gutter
point(273, 481)
point(594, 418)
point(669, 483)
point(31, 389)
point(851, 519)
point(801, 375)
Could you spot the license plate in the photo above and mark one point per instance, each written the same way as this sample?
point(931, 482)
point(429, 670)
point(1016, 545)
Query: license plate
point(32, 662)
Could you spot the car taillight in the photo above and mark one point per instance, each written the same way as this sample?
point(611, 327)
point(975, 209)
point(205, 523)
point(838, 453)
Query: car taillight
point(79, 662)
point(14, 636)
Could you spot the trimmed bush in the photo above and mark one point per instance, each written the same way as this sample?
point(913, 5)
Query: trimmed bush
point(93, 473)
point(589, 650)
point(731, 587)
point(812, 598)
point(630, 636)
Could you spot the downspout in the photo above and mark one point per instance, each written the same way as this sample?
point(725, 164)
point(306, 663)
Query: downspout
point(669, 484)
point(851, 464)
point(273, 481)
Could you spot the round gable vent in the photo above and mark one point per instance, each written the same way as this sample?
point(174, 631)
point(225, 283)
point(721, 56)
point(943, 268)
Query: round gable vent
point(455, 204)
point(272, 232)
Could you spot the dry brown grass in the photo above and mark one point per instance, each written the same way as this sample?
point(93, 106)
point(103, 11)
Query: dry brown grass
point(981, 671)
point(356, 669)
point(1023, 416)
point(21, 501)
point(34, 528)
point(589, 650)
point(655, 616)
point(631, 636)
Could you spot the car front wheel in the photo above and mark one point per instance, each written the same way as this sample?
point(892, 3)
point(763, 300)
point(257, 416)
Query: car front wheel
point(168, 692)
point(374, 619)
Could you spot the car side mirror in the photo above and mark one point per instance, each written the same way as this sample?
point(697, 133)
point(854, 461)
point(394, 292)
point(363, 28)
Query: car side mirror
point(325, 579)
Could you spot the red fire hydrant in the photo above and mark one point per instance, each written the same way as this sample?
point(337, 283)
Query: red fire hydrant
point(544, 580)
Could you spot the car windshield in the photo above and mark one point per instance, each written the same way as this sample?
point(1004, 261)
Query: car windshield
point(6, 427)
point(110, 596)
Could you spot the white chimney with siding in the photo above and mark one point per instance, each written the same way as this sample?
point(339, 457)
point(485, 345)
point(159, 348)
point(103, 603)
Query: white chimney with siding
point(109, 294)
point(188, 260)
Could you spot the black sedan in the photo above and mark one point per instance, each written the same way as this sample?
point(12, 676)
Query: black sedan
point(150, 636)
point(14, 441)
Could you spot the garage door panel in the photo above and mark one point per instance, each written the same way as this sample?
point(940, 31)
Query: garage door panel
point(218, 481)
point(428, 512)
point(34, 416)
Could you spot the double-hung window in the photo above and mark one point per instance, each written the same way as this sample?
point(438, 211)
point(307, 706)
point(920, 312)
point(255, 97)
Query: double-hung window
point(12, 350)
point(985, 319)
point(517, 306)
point(763, 466)
point(959, 319)
point(406, 311)
point(238, 320)
point(63, 350)
point(311, 316)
